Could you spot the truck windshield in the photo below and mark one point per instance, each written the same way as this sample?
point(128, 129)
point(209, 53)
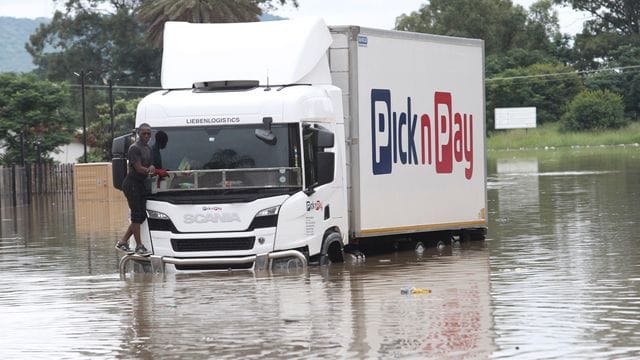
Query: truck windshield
point(209, 158)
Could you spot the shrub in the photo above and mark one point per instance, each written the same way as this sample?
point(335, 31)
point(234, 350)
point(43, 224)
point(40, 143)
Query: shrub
point(594, 110)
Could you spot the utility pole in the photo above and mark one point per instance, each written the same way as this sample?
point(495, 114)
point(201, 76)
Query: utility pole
point(110, 83)
point(84, 117)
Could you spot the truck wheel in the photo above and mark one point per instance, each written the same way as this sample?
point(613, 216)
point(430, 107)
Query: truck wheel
point(331, 249)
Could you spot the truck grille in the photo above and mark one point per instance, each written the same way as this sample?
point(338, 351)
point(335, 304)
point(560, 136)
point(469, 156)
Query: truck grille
point(246, 266)
point(213, 244)
point(167, 225)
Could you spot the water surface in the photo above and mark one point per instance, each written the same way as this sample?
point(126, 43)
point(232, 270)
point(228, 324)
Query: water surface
point(557, 277)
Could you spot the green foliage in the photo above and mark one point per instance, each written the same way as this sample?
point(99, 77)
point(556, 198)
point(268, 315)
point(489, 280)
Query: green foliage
point(497, 22)
point(594, 110)
point(37, 109)
point(612, 24)
point(536, 85)
point(155, 13)
point(623, 79)
point(500, 24)
point(593, 51)
point(621, 16)
point(99, 131)
point(515, 58)
point(552, 136)
point(103, 45)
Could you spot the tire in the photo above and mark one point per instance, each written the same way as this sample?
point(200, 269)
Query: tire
point(332, 249)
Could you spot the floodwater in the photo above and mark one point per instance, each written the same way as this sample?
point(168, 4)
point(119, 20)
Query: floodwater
point(558, 276)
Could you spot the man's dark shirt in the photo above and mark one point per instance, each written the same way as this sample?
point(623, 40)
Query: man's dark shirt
point(138, 152)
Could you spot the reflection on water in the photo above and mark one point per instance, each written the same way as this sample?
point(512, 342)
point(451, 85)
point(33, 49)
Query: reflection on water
point(557, 277)
point(565, 263)
point(63, 298)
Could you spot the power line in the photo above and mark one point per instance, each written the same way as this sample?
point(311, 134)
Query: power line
point(616, 69)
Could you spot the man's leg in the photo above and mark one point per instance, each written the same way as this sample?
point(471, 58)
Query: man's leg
point(135, 230)
point(127, 235)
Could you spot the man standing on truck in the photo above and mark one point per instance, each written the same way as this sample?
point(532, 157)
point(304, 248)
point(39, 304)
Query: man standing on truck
point(140, 168)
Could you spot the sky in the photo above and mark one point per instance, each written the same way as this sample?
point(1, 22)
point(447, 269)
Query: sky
point(369, 13)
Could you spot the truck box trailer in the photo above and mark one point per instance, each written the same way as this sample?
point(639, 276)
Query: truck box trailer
point(292, 138)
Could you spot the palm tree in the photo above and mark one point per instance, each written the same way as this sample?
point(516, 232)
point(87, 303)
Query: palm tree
point(156, 12)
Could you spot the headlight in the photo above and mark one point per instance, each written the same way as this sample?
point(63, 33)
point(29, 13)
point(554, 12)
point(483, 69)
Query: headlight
point(268, 211)
point(152, 214)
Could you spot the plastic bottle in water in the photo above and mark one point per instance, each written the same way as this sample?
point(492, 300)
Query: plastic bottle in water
point(407, 290)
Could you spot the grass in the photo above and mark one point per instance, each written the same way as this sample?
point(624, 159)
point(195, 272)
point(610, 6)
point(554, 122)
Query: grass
point(550, 136)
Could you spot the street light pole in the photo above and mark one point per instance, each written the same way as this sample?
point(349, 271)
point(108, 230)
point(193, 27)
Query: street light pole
point(22, 147)
point(110, 83)
point(84, 117)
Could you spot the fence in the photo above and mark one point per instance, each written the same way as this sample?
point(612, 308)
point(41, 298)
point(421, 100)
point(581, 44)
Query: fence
point(19, 183)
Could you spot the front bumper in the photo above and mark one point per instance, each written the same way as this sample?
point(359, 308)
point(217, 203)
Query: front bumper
point(260, 262)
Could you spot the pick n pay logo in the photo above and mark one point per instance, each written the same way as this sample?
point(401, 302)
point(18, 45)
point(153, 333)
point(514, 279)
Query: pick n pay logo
point(444, 139)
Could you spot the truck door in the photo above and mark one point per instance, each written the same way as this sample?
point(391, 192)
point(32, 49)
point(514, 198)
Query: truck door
point(319, 169)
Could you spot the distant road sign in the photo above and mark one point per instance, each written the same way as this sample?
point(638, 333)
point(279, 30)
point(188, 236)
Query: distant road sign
point(515, 118)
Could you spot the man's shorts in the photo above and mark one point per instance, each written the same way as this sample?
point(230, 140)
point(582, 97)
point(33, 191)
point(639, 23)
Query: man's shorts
point(135, 193)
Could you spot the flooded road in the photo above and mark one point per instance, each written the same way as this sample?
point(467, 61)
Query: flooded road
point(557, 277)
point(564, 245)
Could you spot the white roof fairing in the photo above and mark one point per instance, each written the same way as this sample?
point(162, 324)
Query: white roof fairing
point(284, 51)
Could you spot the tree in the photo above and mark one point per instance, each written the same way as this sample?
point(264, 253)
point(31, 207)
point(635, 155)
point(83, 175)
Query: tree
point(107, 45)
point(620, 16)
point(500, 24)
point(112, 43)
point(103, 45)
point(594, 110)
point(515, 58)
point(536, 85)
point(543, 26)
point(623, 78)
point(155, 13)
point(613, 24)
point(38, 110)
point(99, 132)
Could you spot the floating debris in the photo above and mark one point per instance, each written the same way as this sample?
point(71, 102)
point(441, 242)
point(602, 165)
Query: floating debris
point(414, 291)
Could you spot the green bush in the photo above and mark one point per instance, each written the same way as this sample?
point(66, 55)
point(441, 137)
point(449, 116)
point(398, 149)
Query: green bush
point(594, 110)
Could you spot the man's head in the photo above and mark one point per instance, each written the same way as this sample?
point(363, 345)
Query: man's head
point(144, 132)
point(162, 139)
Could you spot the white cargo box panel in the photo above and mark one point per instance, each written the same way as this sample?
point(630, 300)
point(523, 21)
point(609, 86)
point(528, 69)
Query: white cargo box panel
point(420, 160)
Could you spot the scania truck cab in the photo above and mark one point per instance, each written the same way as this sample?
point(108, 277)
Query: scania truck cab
point(251, 164)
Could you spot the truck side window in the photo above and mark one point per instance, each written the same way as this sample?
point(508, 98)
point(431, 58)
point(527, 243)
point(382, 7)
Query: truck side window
point(309, 141)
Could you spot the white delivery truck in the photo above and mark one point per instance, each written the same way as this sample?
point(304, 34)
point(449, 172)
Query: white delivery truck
point(295, 139)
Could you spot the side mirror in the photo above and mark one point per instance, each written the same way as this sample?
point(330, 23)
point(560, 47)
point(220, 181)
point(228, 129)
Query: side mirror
point(326, 165)
point(120, 145)
point(325, 138)
point(119, 148)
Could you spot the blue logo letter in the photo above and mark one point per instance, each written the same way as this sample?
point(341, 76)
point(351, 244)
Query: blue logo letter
point(382, 165)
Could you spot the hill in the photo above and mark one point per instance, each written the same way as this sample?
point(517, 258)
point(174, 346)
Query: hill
point(14, 34)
